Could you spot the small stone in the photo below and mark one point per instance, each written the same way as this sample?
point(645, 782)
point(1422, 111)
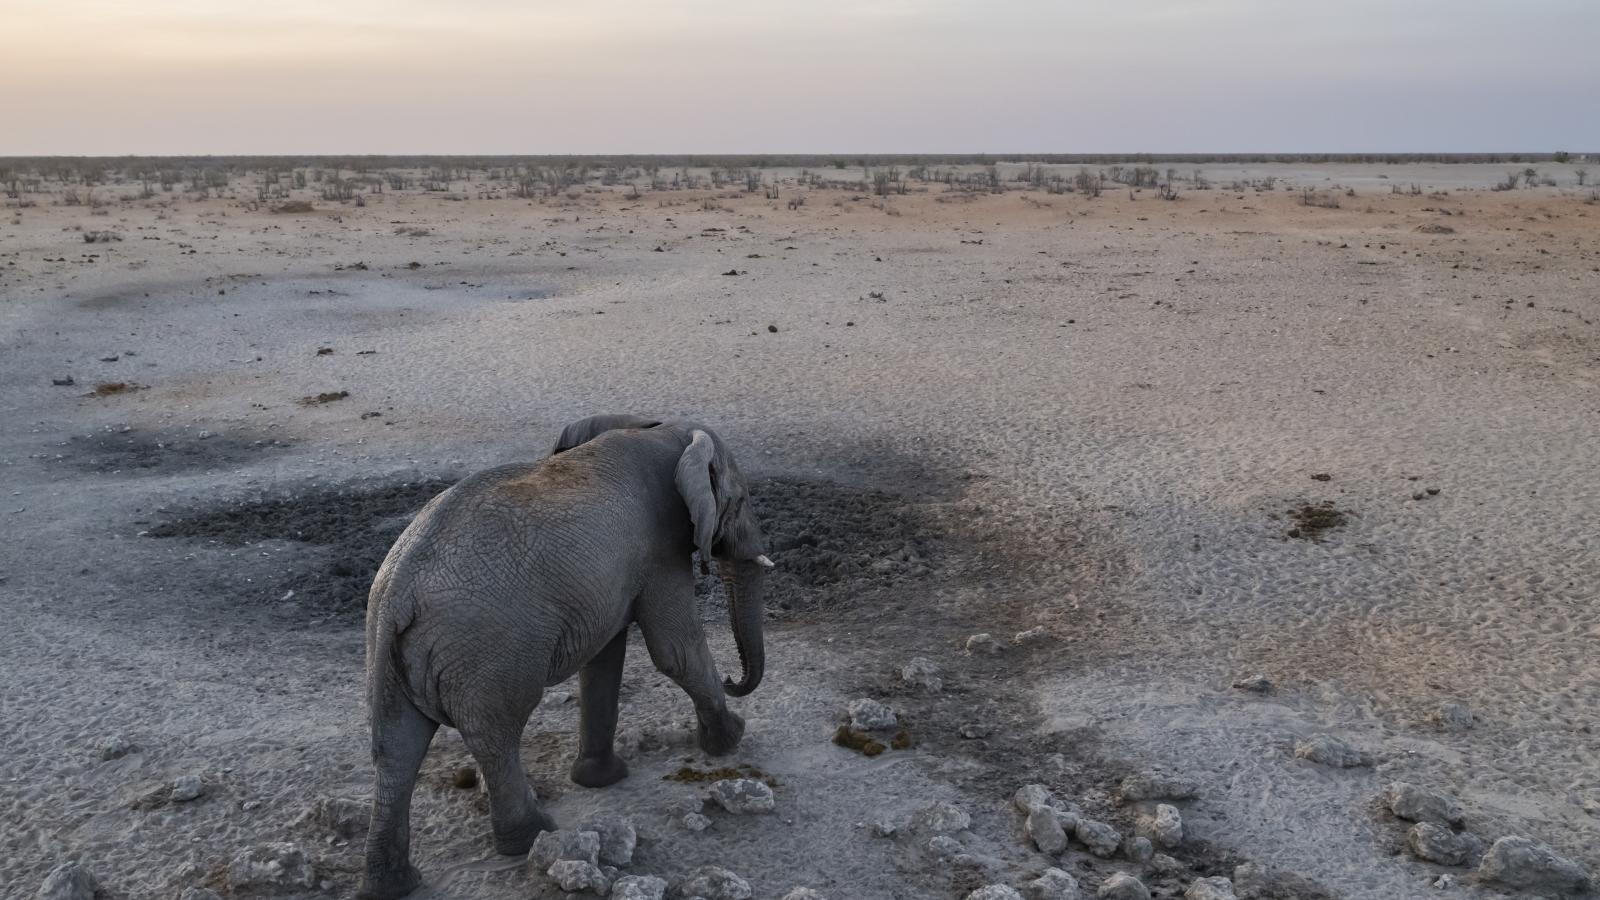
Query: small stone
point(197, 893)
point(805, 893)
point(639, 887)
point(1415, 804)
point(342, 816)
point(944, 848)
point(1044, 827)
point(984, 643)
point(618, 838)
point(1031, 795)
point(1054, 884)
point(994, 892)
point(552, 846)
point(1031, 636)
point(1217, 888)
point(275, 865)
point(1437, 843)
point(69, 881)
point(186, 788)
point(696, 822)
point(1444, 882)
point(113, 746)
point(742, 796)
point(576, 875)
point(712, 883)
point(867, 714)
point(1138, 849)
point(940, 817)
point(1327, 750)
point(1162, 864)
point(1255, 684)
point(1522, 862)
point(973, 731)
point(1454, 717)
point(1165, 826)
point(883, 827)
point(1252, 881)
point(1155, 786)
point(923, 673)
point(1101, 839)
point(1122, 886)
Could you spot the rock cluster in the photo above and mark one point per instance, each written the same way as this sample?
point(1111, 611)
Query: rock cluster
point(587, 859)
point(867, 714)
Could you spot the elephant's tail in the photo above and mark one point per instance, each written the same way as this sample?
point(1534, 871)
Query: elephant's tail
point(389, 687)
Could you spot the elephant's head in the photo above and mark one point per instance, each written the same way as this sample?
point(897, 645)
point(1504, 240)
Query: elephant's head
point(725, 527)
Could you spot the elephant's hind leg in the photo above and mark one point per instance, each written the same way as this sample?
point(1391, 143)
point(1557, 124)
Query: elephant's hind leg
point(599, 687)
point(494, 738)
point(400, 738)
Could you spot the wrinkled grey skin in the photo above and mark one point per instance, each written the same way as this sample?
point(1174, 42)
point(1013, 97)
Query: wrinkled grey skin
point(519, 577)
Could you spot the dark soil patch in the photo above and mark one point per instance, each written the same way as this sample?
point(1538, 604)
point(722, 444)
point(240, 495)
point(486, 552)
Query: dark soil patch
point(112, 388)
point(351, 528)
point(324, 397)
point(834, 544)
point(1311, 521)
point(149, 452)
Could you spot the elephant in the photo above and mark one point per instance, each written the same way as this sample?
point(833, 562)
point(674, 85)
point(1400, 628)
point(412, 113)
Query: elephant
point(517, 578)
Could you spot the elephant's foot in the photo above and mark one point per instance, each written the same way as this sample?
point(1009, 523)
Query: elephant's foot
point(389, 885)
point(599, 771)
point(518, 840)
point(722, 734)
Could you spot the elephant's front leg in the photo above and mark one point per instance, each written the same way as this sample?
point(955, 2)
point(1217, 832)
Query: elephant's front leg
point(599, 687)
point(678, 648)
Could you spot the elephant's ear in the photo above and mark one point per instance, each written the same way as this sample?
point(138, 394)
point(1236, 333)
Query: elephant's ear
point(585, 430)
point(694, 479)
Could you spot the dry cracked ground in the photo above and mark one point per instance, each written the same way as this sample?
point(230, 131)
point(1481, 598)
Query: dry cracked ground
point(1343, 458)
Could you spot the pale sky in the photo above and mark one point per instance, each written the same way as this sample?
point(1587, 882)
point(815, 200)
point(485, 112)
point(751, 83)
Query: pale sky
point(171, 77)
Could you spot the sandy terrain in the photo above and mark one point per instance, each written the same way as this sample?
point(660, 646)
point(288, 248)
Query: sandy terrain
point(976, 413)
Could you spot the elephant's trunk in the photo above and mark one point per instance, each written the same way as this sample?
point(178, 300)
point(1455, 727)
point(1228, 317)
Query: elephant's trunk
point(747, 585)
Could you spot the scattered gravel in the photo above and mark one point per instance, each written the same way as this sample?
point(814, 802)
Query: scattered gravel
point(277, 866)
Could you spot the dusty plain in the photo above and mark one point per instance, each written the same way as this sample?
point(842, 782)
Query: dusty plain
point(1113, 418)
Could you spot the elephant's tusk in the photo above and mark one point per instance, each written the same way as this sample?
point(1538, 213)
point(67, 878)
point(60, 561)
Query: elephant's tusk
point(763, 562)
